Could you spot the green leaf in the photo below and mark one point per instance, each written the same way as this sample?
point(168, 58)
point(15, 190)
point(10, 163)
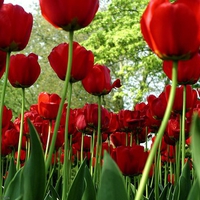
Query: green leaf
point(11, 173)
point(15, 187)
point(195, 133)
point(194, 192)
point(78, 186)
point(34, 175)
point(171, 189)
point(164, 193)
point(112, 186)
point(90, 193)
point(52, 194)
point(58, 187)
point(185, 182)
point(183, 186)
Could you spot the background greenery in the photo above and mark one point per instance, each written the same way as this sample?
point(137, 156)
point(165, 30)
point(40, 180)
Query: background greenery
point(115, 38)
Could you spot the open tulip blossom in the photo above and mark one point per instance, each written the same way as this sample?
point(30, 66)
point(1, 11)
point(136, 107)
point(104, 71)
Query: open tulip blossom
point(55, 150)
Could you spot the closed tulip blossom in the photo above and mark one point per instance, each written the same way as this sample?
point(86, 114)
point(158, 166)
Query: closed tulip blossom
point(82, 61)
point(24, 70)
point(98, 81)
point(188, 70)
point(48, 105)
point(130, 160)
point(165, 28)
point(17, 25)
point(69, 15)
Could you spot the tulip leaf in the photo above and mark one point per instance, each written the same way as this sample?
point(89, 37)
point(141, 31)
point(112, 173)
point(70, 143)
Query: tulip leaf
point(58, 186)
point(184, 184)
point(34, 176)
point(78, 185)
point(194, 192)
point(11, 173)
point(52, 194)
point(164, 192)
point(90, 193)
point(195, 134)
point(112, 185)
point(15, 187)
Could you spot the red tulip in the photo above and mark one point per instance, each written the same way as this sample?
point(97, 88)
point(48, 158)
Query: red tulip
point(121, 139)
point(24, 70)
point(173, 128)
point(129, 120)
point(7, 116)
point(157, 105)
point(69, 14)
point(130, 160)
point(2, 62)
point(191, 98)
point(82, 61)
point(48, 105)
point(188, 71)
point(16, 27)
point(1, 2)
point(98, 81)
point(165, 28)
point(88, 119)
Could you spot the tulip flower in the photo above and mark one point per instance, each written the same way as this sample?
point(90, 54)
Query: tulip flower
point(130, 160)
point(87, 120)
point(24, 70)
point(17, 25)
point(2, 62)
point(157, 105)
point(82, 61)
point(48, 105)
point(188, 70)
point(191, 98)
point(165, 28)
point(7, 116)
point(69, 15)
point(98, 81)
point(1, 3)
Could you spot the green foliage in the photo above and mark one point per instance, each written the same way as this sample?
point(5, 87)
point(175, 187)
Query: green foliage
point(116, 40)
point(29, 182)
point(112, 185)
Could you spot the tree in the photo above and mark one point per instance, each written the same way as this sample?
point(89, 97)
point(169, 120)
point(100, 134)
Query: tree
point(116, 40)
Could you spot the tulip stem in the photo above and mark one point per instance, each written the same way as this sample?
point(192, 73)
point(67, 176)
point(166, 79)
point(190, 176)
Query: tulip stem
point(183, 127)
point(1, 110)
point(21, 129)
point(66, 177)
point(58, 118)
point(159, 136)
point(98, 145)
point(48, 139)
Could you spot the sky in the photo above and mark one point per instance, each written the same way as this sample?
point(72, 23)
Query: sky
point(26, 4)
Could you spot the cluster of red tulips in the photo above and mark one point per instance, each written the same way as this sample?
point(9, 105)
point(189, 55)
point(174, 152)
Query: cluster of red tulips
point(71, 137)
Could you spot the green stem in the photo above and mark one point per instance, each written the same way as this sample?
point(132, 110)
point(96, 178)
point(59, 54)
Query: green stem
point(178, 156)
point(58, 118)
point(48, 139)
point(159, 136)
point(82, 142)
point(183, 127)
point(98, 144)
point(1, 108)
point(21, 129)
point(66, 148)
point(92, 152)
